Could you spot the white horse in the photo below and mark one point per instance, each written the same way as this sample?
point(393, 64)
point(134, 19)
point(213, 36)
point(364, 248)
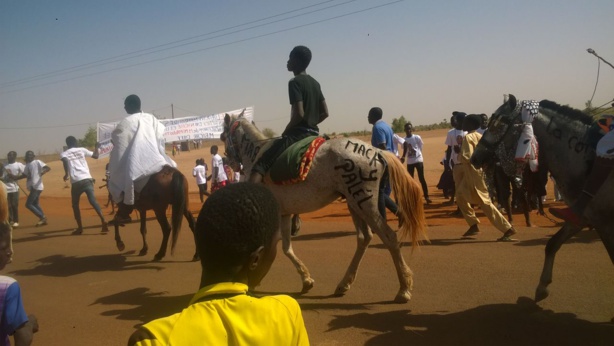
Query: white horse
point(341, 167)
point(566, 146)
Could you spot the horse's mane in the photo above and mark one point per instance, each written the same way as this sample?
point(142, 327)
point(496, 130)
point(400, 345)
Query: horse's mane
point(567, 111)
point(251, 128)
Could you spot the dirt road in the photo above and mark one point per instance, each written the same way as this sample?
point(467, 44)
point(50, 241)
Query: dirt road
point(473, 292)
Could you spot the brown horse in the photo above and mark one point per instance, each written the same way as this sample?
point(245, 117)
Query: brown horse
point(167, 187)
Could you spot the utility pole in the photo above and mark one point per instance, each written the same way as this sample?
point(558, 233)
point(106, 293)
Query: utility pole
point(172, 112)
point(591, 51)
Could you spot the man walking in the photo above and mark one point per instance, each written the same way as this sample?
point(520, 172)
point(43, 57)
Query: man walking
point(76, 168)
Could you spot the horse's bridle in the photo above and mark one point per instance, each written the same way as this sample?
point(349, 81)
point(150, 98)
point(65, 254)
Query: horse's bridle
point(508, 122)
point(231, 150)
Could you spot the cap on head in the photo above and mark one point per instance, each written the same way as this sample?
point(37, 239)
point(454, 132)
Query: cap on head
point(302, 56)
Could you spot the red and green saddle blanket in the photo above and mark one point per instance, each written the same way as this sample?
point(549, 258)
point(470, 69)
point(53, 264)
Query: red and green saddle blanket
point(293, 165)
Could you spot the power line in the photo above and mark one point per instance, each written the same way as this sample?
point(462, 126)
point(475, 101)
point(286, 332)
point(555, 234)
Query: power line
point(173, 45)
point(202, 49)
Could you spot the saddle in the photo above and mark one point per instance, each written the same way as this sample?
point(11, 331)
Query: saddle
point(293, 165)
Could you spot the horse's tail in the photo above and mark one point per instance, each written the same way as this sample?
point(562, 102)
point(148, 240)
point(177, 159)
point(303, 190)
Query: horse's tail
point(409, 199)
point(4, 205)
point(179, 189)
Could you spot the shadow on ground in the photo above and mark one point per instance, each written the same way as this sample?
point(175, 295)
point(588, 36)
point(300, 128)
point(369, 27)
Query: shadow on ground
point(64, 266)
point(523, 323)
point(143, 305)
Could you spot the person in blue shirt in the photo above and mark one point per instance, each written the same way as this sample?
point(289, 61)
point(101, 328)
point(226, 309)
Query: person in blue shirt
point(382, 137)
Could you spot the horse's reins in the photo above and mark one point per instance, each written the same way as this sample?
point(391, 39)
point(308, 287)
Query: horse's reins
point(231, 147)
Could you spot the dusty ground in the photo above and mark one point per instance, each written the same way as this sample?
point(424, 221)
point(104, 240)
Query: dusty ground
point(466, 292)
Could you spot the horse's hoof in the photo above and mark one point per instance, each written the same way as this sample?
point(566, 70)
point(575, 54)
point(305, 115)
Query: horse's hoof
point(143, 252)
point(402, 297)
point(158, 258)
point(195, 258)
point(341, 289)
point(120, 246)
point(307, 285)
point(541, 293)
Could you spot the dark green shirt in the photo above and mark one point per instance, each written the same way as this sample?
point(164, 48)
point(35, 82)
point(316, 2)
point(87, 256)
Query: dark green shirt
point(305, 88)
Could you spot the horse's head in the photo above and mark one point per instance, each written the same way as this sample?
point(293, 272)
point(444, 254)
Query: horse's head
point(501, 137)
point(229, 137)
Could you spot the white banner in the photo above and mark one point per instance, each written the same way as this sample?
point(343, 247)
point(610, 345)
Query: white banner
point(178, 129)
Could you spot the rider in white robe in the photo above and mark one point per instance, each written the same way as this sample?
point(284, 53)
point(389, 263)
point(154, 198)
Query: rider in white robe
point(138, 152)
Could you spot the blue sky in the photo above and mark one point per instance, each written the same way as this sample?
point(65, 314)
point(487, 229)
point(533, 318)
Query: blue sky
point(419, 59)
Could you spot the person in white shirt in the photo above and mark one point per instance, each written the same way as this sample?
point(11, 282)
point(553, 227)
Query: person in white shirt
point(483, 125)
point(454, 139)
point(200, 173)
point(396, 141)
point(13, 169)
point(219, 178)
point(138, 152)
point(77, 170)
point(34, 171)
point(412, 155)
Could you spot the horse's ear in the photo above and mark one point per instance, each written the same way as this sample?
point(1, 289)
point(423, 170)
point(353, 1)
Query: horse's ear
point(227, 119)
point(512, 101)
point(242, 113)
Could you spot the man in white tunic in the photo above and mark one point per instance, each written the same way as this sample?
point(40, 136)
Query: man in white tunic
point(138, 152)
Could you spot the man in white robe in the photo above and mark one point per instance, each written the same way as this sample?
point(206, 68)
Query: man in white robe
point(138, 152)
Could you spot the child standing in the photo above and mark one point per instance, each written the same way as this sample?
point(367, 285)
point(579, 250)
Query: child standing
point(237, 246)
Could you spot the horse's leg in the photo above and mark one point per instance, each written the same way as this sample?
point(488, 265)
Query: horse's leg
point(363, 238)
point(166, 232)
point(143, 216)
point(118, 239)
point(526, 206)
point(390, 240)
point(553, 245)
point(286, 225)
point(188, 216)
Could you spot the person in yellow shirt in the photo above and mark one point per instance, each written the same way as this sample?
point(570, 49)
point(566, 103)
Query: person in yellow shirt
point(237, 232)
point(471, 188)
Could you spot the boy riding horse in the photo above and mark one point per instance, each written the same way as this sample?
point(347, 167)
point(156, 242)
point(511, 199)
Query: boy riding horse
point(308, 110)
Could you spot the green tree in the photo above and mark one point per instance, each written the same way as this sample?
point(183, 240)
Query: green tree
point(398, 125)
point(269, 133)
point(89, 140)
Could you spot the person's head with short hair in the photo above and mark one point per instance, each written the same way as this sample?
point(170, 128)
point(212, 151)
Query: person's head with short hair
point(237, 232)
point(472, 122)
point(458, 119)
point(71, 142)
point(408, 128)
point(375, 114)
point(132, 104)
point(29, 156)
point(300, 57)
point(484, 124)
point(11, 156)
point(213, 150)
